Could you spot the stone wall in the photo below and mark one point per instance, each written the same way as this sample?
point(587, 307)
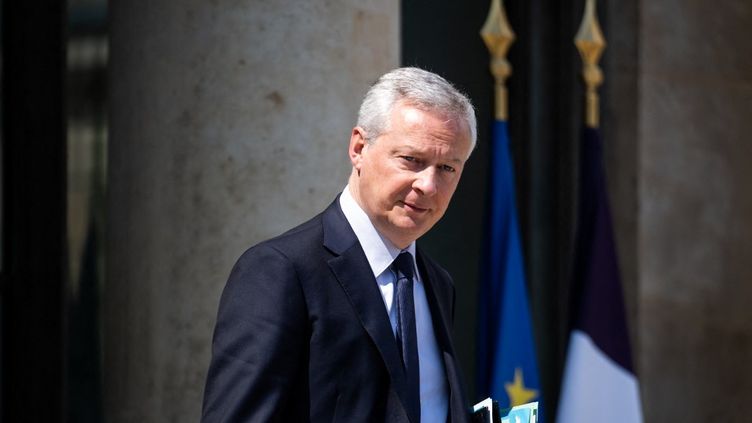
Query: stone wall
point(229, 123)
point(695, 210)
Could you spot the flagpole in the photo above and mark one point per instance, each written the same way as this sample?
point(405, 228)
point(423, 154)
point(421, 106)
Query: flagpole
point(498, 36)
point(507, 364)
point(590, 43)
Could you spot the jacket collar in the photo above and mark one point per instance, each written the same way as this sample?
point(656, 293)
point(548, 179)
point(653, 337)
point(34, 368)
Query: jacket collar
point(354, 274)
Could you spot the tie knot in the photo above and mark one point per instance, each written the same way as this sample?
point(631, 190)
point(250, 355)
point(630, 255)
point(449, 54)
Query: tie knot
point(403, 264)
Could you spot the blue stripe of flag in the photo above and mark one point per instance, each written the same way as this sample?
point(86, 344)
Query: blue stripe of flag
point(599, 304)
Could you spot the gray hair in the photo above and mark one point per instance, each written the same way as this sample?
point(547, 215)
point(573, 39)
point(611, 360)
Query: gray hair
point(418, 88)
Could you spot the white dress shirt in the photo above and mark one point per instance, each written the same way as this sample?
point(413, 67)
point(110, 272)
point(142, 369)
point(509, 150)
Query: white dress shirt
point(380, 253)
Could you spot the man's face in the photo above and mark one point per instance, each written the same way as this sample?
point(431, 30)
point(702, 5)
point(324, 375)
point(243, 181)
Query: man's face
point(405, 178)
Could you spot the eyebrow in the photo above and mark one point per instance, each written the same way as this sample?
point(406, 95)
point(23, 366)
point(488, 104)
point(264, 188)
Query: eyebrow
point(413, 151)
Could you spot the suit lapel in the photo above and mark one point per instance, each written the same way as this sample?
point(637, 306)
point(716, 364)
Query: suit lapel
point(350, 267)
point(440, 302)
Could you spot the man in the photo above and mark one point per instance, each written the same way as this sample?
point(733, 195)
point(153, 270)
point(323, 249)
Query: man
point(343, 318)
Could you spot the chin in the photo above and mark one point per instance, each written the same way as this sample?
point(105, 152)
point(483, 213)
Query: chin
point(414, 231)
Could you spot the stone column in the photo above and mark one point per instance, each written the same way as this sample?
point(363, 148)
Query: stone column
point(229, 123)
point(695, 216)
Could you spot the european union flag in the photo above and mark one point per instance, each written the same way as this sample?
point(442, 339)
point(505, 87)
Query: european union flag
point(507, 366)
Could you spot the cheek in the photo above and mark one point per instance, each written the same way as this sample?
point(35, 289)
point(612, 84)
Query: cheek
point(397, 183)
point(445, 195)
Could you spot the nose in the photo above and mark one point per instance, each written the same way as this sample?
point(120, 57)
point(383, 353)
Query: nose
point(425, 181)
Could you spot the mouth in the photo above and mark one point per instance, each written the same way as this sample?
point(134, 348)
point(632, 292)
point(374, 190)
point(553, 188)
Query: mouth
point(413, 207)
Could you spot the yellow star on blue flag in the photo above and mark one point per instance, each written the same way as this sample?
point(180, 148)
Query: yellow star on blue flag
point(517, 391)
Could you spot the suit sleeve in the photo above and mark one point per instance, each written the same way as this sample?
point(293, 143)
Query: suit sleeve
point(260, 340)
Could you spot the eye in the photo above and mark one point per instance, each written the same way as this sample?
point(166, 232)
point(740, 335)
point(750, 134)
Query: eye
point(410, 162)
point(447, 168)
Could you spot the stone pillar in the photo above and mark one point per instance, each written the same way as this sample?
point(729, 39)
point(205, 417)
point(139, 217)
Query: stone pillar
point(229, 123)
point(695, 215)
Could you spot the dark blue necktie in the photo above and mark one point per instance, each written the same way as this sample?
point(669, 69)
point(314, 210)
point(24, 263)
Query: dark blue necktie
point(407, 340)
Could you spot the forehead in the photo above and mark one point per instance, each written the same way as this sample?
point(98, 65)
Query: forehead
point(412, 114)
point(430, 128)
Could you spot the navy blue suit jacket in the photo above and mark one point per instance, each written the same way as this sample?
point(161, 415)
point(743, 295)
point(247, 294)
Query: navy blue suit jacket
point(302, 333)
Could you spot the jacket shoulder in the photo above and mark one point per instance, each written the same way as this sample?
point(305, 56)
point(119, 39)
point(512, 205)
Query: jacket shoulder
point(296, 243)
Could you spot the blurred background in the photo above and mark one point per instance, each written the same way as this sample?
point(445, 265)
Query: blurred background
point(146, 144)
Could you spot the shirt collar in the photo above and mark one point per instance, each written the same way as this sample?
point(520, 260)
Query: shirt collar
point(379, 251)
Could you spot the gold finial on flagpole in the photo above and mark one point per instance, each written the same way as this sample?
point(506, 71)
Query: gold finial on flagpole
point(498, 36)
point(590, 43)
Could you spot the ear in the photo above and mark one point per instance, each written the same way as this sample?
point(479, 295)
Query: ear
point(358, 144)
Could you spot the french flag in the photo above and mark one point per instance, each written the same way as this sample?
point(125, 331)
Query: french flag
point(599, 382)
